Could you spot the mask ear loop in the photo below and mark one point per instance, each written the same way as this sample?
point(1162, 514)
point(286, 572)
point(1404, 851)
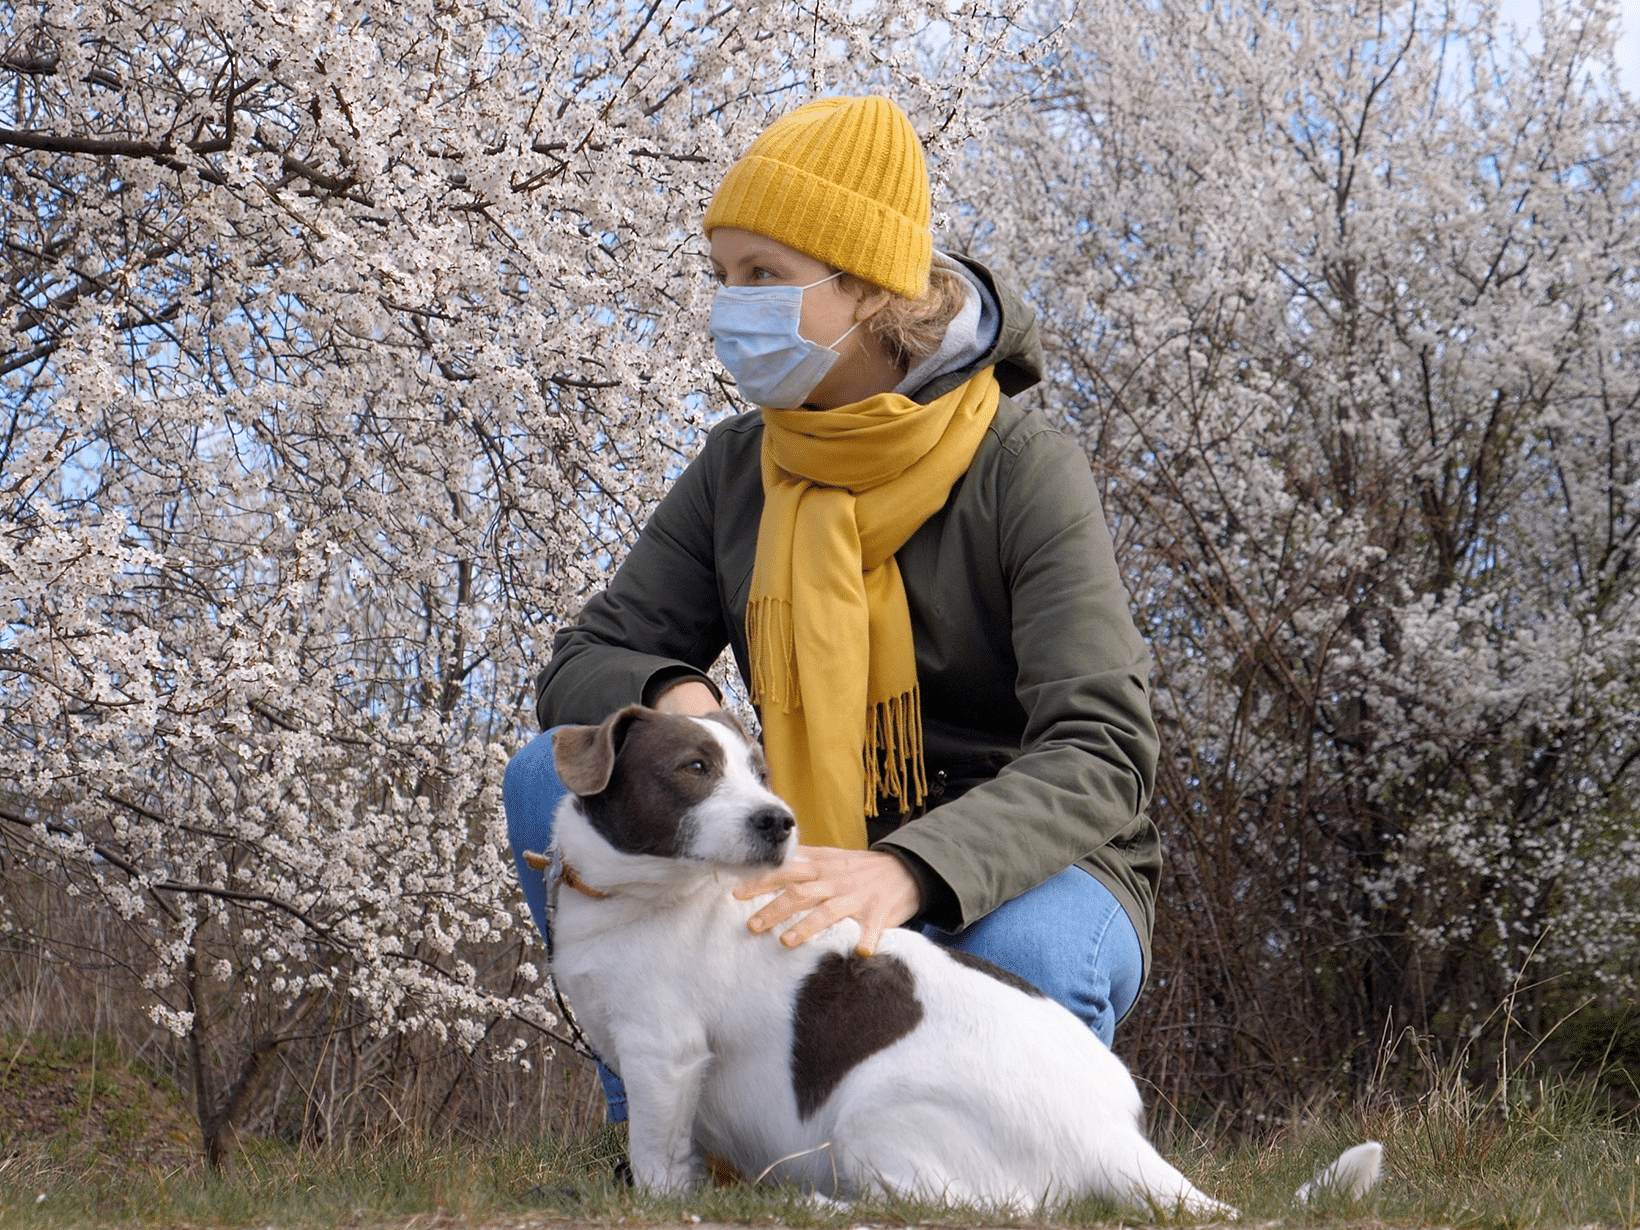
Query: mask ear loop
point(829, 278)
point(850, 331)
point(851, 328)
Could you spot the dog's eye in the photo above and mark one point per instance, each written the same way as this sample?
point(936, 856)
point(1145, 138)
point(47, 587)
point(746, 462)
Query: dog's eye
point(696, 766)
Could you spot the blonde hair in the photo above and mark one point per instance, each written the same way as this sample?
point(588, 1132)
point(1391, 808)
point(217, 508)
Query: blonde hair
point(909, 330)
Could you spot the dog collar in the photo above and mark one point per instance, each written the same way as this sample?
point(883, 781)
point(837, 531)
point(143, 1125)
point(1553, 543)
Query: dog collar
point(565, 874)
point(558, 873)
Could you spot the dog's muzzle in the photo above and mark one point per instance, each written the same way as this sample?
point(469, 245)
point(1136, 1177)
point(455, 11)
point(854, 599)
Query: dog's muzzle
point(770, 827)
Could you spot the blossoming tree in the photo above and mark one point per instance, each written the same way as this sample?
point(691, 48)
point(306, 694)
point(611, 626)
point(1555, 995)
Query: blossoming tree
point(346, 345)
point(1346, 303)
point(344, 348)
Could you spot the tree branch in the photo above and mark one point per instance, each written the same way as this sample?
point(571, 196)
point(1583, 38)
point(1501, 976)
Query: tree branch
point(113, 147)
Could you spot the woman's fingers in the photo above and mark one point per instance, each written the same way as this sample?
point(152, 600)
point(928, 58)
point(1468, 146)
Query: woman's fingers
point(770, 884)
point(815, 921)
point(830, 885)
point(800, 870)
point(794, 900)
point(871, 934)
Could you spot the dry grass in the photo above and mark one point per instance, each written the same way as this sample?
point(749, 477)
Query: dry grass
point(97, 1128)
point(75, 973)
point(1551, 1157)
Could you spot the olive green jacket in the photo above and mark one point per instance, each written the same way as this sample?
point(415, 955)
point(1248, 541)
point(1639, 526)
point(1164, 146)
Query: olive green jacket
point(1038, 738)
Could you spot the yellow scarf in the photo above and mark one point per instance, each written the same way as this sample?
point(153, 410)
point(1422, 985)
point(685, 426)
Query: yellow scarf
point(834, 671)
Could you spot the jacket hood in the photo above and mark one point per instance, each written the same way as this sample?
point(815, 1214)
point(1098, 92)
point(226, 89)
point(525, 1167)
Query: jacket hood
point(1016, 351)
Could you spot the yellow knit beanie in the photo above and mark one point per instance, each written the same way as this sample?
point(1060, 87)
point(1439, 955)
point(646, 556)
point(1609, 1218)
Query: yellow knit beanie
point(842, 180)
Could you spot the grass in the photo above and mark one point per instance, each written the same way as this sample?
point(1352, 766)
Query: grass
point(1552, 1157)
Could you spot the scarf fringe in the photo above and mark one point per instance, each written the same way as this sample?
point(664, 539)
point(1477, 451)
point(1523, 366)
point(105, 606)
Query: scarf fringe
point(773, 649)
point(894, 753)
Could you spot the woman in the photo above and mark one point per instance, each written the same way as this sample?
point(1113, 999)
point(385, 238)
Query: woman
point(914, 576)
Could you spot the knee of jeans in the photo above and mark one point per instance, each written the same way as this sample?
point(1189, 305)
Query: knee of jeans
point(1085, 991)
point(1124, 964)
point(614, 1094)
point(1097, 1012)
point(530, 790)
point(520, 768)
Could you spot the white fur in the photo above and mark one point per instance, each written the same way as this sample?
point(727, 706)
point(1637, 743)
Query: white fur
point(997, 1098)
point(716, 828)
point(1353, 1175)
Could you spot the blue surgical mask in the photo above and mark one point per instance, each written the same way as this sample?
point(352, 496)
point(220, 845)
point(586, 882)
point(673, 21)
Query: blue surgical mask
point(754, 330)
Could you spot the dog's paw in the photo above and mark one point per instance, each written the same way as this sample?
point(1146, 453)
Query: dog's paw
point(671, 1179)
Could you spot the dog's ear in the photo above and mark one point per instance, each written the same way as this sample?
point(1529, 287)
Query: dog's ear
point(585, 755)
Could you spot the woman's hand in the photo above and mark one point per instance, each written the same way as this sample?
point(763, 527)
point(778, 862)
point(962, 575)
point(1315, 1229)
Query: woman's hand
point(868, 886)
point(690, 697)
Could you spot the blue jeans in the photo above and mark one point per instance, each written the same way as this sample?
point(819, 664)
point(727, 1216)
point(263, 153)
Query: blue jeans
point(1068, 936)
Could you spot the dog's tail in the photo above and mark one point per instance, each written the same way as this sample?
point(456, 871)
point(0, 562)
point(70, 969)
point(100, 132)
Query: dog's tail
point(1352, 1176)
point(1148, 1182)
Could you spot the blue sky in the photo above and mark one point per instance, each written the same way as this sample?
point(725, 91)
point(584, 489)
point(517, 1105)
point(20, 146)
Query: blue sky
point(1628, 51)
point(1524, 13)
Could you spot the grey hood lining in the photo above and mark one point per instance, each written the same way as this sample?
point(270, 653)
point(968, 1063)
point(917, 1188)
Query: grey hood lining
point(968, 338)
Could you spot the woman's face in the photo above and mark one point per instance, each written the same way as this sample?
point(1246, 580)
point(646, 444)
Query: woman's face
point(745, 258)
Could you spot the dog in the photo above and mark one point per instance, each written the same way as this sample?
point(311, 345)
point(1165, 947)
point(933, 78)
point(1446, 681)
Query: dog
point(919, 1071)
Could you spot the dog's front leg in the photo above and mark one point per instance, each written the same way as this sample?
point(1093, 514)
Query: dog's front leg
point(663, 1079)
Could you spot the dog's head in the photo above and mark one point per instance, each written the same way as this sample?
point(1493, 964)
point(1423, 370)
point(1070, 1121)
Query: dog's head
point(676, 787)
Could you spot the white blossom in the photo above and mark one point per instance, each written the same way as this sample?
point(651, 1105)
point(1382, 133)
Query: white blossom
point(344, 349)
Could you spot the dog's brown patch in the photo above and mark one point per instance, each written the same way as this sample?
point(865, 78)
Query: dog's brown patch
point(721, 1172)
point(992, 970)
point(849, 1008)
point(664, 765)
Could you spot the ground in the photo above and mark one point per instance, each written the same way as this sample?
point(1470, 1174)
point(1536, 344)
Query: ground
point(65, 1104)
point(88, 1139)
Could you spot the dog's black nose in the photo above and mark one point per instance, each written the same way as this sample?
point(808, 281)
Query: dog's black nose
point(772, 823)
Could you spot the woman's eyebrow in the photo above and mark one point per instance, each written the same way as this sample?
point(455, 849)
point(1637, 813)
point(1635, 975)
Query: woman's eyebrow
point(761, 256)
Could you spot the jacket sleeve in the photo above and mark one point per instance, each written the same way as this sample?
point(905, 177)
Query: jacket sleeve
point(1087, 762)
point(659, 621)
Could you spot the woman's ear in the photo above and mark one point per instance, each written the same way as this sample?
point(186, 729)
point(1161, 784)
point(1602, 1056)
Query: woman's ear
point(871, 304)
point(870, 301)
point(869, 298)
